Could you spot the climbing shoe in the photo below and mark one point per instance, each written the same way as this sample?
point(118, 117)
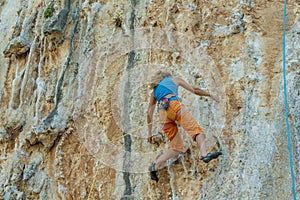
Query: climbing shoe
point(153, 172)
point(210, 156)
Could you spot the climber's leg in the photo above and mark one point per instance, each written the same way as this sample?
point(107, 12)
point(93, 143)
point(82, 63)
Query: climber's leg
point(190, 125)
point(200, 139)
point(175, 149)
point(160, 162)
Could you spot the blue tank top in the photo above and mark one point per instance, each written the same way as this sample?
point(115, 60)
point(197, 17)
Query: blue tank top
point(165, 87)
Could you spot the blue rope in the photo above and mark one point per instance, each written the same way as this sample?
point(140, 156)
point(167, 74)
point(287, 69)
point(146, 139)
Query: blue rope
point(286, 103)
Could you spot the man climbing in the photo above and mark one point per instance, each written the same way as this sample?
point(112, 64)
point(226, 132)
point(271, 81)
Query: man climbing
point(171, 113)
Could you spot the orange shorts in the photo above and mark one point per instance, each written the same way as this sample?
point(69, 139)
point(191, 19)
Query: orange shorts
point(177, 112)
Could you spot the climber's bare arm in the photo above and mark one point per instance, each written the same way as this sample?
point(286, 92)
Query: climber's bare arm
point(180, 82)
point(151, 108)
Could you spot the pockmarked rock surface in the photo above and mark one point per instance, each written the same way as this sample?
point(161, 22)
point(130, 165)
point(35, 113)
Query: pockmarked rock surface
point(74, 94)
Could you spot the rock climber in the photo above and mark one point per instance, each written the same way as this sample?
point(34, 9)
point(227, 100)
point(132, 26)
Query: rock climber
point(172, 112)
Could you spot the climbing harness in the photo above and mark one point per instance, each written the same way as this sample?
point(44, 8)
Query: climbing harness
point(164, 103)
point(286, 103)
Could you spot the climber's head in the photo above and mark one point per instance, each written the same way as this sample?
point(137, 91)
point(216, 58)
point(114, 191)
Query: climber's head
point(158, 76)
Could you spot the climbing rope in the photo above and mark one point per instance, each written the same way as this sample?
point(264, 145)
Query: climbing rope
point(93, 182)
point(286, 102)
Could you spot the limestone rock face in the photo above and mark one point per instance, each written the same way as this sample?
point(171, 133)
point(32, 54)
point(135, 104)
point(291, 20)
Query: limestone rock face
point(74, 97)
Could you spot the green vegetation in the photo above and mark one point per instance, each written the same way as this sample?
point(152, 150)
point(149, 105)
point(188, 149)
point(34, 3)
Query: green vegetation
point(118, 20)
point(49, 11)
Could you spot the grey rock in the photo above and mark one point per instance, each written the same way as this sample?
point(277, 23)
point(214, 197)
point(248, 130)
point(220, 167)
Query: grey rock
point(15, 122)
point(17, 46)
point(12, 193)
point(5, 136)
point(54, 27)
point(237, 23)
point(36, 183)
point(29, 171)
